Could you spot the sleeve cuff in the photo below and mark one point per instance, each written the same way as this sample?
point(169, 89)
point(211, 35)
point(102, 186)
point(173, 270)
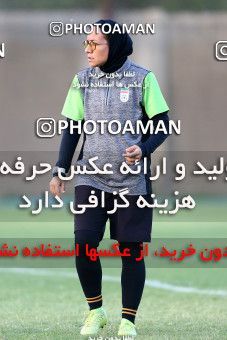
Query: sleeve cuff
point(143, 149)
point(58, 169)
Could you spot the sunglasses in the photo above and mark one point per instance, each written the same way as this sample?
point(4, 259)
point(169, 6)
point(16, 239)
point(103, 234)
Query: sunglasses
point(92, 44)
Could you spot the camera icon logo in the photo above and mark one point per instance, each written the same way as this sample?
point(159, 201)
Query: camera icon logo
point(56, 28)
point(221, 50)
point(45, 127)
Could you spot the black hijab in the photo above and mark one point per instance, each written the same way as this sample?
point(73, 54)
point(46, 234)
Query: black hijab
point(120, 47)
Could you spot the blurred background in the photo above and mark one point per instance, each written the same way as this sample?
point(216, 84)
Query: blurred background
point(38, 68)
point(183, 54)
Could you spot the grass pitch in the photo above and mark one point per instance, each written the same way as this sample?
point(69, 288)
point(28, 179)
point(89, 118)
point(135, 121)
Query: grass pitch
point(42, 303)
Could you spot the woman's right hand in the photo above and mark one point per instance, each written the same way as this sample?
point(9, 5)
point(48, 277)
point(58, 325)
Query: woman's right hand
point(57, 186)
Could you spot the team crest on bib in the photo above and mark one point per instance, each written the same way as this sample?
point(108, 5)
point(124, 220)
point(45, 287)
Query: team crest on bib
point(124, 94)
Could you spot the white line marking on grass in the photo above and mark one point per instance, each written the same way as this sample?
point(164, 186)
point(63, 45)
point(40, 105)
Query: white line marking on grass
point(149, 283)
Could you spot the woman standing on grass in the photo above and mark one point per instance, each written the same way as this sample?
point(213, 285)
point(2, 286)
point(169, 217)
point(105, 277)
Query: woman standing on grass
point(108, 54)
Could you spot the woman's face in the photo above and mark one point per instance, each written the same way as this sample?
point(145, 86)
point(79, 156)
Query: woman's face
point(97, 55)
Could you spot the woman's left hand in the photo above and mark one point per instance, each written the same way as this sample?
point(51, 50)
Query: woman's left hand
point(132, 154)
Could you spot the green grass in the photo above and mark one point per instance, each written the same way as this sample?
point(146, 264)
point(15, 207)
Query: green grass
point(53, 306)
